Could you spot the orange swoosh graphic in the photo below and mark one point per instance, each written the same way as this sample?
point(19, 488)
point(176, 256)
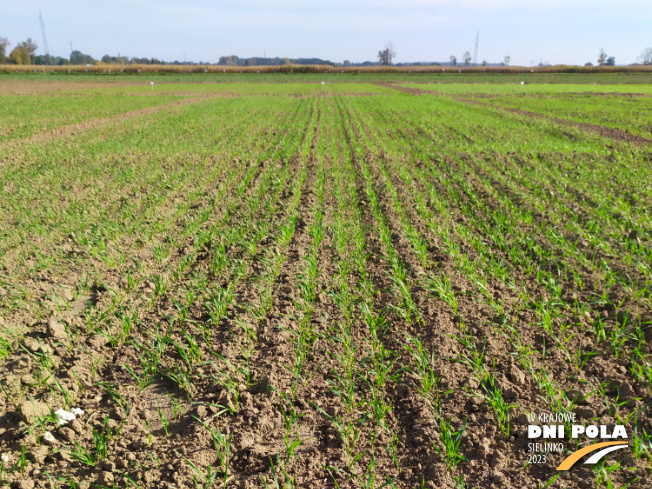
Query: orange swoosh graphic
point(574, 457)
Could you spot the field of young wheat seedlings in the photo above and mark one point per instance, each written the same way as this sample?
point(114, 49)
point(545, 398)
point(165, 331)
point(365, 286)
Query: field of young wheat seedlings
point(277, 286)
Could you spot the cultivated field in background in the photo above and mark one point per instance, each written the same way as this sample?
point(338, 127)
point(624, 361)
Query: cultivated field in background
point(118, 69)
point(283, 285)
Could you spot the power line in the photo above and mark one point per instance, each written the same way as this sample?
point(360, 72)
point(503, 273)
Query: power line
point(45, 39)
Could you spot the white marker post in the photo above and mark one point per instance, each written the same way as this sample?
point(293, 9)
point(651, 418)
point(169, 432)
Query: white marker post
point(152, 83)
point(322, 87)
point(522, 86)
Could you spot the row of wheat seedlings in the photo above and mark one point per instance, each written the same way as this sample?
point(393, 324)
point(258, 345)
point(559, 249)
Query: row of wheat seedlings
point(152, 344)
point(558, 402)
point(361, 386)
point(231, 363)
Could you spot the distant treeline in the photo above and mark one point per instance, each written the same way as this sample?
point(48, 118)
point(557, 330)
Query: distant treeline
point(171, 68)
point(24, 53)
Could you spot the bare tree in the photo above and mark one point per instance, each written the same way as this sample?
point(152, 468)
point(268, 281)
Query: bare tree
point(4, 44)
point(507, 60)
point(646, 57)
point(383, 57)
point(386, 55)
point(467, 58)
point(602, 59)
point(453, 61)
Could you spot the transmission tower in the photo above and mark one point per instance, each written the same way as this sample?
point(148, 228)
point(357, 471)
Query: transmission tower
point(45, 39)
point(475, 52)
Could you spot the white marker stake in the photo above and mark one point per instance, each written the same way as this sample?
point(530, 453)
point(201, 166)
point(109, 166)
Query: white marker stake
point(522, 84)
point(322, 87)
point(152, 86)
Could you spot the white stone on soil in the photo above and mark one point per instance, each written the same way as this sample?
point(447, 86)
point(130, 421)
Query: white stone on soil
point(64, 416)
point(49, 438)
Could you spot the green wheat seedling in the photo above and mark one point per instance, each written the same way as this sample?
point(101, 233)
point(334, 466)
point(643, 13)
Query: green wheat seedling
point(21, 463)
point(349, 433)
point(440, 287)
point(613, 408)
point(232, 386)
point(102, 440)
point(378, 404)
point(219, 302)
point(112, 391)
point(128, 322)
point(601, 473)
point(189, 352)
point(474, 358)
point(222, 444)
point(183, 311)
point(177, 407)
point(291, 437)
point(426, 372)
point(582, 358)
point(164, 421)
point(145, 379)
point(495, 398)
point(285, 482)
point(460, 483)
point(68, 397)
point(43, 422)
point(641, 441)
point(382, 371)
point(343, 386)
point(451, 441)
point(408, 310)
point(249, 331)
point(45, 362)
point(203, 480)
point(492, 393)
point(181, 376)
point(7, 342)
point(160, 287)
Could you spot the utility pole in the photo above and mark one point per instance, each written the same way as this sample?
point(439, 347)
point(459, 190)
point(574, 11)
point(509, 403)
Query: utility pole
point(475, 53)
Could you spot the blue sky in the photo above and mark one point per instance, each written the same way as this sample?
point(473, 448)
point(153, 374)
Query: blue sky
point(556, 31)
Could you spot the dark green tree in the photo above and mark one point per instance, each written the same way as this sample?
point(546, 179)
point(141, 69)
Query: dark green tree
point(19, 56)
point(79, 58)
point(30, 46)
